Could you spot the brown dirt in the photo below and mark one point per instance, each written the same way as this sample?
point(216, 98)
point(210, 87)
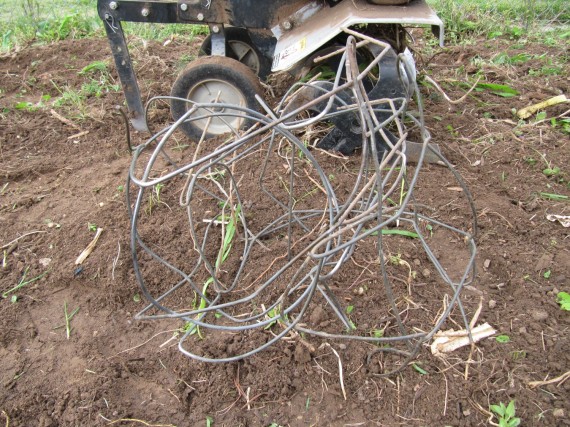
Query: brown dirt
point(114, 368)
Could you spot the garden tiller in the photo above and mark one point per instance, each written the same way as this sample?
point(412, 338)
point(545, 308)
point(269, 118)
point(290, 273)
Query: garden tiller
point(249, 39)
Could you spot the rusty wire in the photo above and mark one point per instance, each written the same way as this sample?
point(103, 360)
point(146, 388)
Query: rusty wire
point(308, 240)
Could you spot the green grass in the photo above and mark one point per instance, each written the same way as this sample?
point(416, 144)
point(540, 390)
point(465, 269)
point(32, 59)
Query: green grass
point(23, 282)
point(515, 19)
point(25, 21)
point(38, 21)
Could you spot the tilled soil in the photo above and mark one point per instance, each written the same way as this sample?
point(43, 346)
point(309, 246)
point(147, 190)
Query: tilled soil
point(63, 172)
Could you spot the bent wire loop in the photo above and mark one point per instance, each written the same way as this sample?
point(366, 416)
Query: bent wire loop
point(214, 284)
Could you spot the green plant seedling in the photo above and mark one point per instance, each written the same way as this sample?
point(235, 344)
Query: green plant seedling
point(530, 161)
point(503, 339)
point(499, 90)
point(94, 66)
point(419, 369)
point(563, 299)
point(553, 196)
point(209, 421)
point(349, 309)
point(563, 123)
point(68, 317)
point(275, 314)
point(377, 333)
point(154, 198)
point(519, 354)
point(92, 227)
point(506, 414)
point(23, 282)
point(547, 274)
point(228, 234)
point(551, 171)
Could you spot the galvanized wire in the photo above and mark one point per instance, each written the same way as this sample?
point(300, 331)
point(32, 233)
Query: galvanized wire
point(309, 238)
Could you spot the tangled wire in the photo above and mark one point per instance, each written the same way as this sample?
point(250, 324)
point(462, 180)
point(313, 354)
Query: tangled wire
point(249, 242)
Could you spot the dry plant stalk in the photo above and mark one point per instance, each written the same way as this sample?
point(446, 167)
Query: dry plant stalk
point(87, 251)
point(448, 341)
point(525, 113)
point(560, 380)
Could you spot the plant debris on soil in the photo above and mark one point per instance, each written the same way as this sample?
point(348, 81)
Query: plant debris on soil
point(72, 354)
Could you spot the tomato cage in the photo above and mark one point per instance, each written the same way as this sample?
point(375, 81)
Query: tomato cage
point(256, 237)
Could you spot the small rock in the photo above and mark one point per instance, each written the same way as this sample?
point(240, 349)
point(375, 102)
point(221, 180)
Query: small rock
point(318, 315)
point(523, 330)
point(361, 291)
point(426, 273)
point(302, 355)
point(487, 263)
point(492, 304)
point(558, 413)
point(539, 315)
point(44, 262)
point(342, 346)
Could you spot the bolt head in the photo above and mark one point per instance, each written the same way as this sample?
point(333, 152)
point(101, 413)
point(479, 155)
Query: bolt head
point(287, 25)
point(145, 12)
point(216, 29)
point(183, 7)
point(200, 17)
point(113, 5)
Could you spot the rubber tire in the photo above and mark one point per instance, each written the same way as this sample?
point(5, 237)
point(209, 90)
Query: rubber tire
point(221, 68)
point(240, 35)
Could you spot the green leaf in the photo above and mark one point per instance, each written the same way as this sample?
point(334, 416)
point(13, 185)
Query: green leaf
point(547, 274)
point(24, 105)
point(504, 94)
point(419, 369)
point(541, 115)
point(563, 299)
point(499, 409)
point(514, 422)
point(510, 411)
point(94, 66)
point(553, 196)
point(14, 299)
point(378, 333)
point(405, 233)
point(551, 171)
point(349, 309)
point(503, 339)
point(500, 90)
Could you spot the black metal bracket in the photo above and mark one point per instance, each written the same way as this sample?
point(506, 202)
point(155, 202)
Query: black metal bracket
point(126, 72)
point(218, 39)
